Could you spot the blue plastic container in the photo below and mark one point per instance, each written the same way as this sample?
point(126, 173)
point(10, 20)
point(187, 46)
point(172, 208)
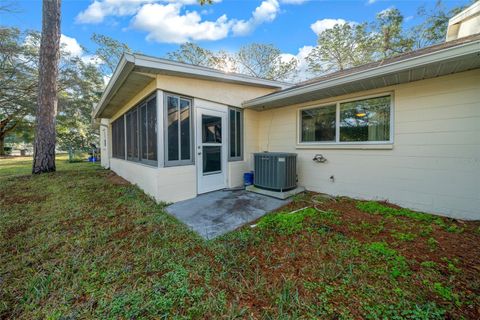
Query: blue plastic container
point(248, 178)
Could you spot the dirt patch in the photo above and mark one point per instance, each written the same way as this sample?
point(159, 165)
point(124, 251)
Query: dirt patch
point(20, 199)
point(286, 258)
point(115, 179)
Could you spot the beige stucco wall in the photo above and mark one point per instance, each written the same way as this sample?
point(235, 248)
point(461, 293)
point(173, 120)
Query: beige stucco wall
point(434, 165)
point(220, 92)
point(171, 184)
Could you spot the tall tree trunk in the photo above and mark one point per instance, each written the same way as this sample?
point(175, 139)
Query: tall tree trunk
point(2, 144)
point(44, 148)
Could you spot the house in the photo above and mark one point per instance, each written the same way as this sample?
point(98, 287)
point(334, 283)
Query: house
point(406, 129)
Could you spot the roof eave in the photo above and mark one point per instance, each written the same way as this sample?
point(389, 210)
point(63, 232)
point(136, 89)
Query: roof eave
point(124, 67)
point(442, 55)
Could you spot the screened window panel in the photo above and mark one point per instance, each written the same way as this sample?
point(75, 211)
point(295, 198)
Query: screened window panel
point(143, 135)
point(172, 128)
point(365, 120)
point(118, 138)
point(132, 135)
point(233, 140)
point(185, 146)
point(318, 124)
point(235, 134)
point(152, 129)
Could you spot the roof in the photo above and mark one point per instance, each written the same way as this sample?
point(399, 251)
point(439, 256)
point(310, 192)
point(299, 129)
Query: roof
point(446, 58)
point(135, 71)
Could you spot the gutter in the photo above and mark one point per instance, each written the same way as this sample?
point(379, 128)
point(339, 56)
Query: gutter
point(445, 54)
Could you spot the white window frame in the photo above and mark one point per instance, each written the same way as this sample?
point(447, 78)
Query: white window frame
point(337, 141)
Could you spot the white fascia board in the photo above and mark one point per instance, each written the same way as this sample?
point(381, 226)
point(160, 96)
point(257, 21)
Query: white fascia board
point(446, 54)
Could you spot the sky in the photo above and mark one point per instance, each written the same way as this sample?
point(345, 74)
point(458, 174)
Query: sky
point(156, 27)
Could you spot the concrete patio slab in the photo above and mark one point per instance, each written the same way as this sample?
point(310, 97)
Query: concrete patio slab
point(216, 213)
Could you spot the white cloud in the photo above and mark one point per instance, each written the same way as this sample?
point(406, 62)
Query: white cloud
point(293, 1)
point(371, 1)
point(266, 12)
point(71, 46)
point(99, 9)
point(166, 23)
point(302, 64)
point(321, 25)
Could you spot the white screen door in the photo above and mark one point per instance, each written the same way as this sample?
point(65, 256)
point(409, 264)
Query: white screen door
point(211, 150)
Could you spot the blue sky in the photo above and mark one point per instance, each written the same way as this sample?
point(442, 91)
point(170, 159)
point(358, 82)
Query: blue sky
point(156, 27)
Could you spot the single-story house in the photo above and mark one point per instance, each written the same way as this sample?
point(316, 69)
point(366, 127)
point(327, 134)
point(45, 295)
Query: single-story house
point(405, 129)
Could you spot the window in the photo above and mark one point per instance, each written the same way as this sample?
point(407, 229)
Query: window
point(178, 138)
point(235, 137)
point(318, 124)
point(358, 121)
point(138, 128)
point(118, 138)
point(365, 120)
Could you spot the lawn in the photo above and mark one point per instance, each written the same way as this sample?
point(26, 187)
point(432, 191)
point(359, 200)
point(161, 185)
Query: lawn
point(82, 243)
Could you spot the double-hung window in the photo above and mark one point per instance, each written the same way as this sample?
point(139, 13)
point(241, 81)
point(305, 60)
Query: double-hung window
point(235, 118)
point(178, 133)
point(355, 121)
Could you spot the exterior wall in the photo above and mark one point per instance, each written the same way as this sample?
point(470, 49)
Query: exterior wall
point(465, 23)
point(105, 143)
point(250, 145)
point(433, 165)
point(220, 92)
point(171, 184)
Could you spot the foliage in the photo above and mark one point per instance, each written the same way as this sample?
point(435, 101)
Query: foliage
point(192, 53)
point(433, 28)
point(18, 81)
point(341, 47)
point(390, 39)
point(79, 88)
point(109, 51)
point(265, 61)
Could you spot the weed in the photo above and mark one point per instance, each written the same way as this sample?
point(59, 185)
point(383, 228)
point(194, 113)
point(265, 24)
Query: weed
point(377, 208)
point(446, 293)
point(396, 263)
point(286, 223)
point(428, 264)
point(404, 236)
point(453, 228)
point(432, 243)
point(452, 265)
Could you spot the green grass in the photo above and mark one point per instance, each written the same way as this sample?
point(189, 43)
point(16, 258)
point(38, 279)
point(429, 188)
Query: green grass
point(76, 246)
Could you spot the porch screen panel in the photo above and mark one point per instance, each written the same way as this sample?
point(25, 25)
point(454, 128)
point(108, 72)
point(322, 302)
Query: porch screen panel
point(143, 131)
point(235, 135)
point(185, 129)
point(172, 128)
point(178, 130)
point(152, 129)
point(132, 135)
point(118, 138)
